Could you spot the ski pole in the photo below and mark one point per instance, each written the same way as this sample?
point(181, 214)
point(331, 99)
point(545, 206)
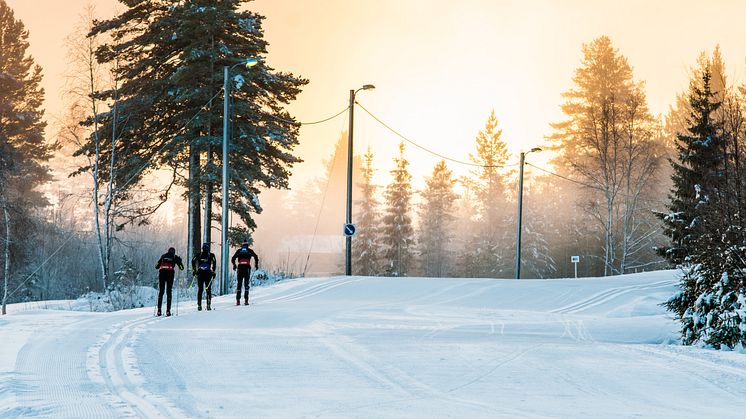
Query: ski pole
point(177, 293)
point(155, 306)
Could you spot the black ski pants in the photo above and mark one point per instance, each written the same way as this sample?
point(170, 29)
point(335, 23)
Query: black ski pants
point(165, 283)
point(244, 276)
point(204, 280)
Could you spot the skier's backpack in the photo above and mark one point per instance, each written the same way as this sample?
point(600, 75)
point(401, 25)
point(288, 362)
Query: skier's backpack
point(167, 263)
point(204, 263)
point(244, 258)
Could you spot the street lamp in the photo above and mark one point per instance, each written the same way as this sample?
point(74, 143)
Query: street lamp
point(224, 248)
point(348, 217)
point(520, 210)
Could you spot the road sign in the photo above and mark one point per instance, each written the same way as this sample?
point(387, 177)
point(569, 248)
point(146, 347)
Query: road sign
point(575, 260)
point(349, 230)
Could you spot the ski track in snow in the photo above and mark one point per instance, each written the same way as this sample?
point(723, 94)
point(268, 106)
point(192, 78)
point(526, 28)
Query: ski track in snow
point(312, 290)
point(55, 382)
point(608, 295)
point(406, 387)
point(112, 362)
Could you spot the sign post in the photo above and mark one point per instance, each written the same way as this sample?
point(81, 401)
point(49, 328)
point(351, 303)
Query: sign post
point(575, 260)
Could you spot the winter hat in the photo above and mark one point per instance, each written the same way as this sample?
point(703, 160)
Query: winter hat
point(171, 250)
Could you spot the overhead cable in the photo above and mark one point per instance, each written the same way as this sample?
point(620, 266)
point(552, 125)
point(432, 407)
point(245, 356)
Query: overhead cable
point(428, 150)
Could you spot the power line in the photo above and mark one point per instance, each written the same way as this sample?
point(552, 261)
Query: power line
point(428, 150)
point(41, 266)
point(311, 123)
point(587, 185)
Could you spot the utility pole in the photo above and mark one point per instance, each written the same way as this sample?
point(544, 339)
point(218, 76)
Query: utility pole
point(520, 213)
point(348, 214)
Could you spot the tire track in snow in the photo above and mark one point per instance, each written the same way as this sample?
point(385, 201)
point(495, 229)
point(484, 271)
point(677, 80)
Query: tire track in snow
point(112, 363)
point(608, 295)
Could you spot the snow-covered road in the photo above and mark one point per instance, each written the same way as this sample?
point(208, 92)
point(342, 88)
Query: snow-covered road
point(376, 347)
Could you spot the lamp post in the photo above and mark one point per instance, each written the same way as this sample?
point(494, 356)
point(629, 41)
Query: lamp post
point(520, 211)
point(348, 217)
point(224, 248)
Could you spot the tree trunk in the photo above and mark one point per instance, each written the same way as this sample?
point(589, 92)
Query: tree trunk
point(108, 219)
point(194, 203)
point(96, 215)
point(6, 268)
point(94, 198)
point(207, 236)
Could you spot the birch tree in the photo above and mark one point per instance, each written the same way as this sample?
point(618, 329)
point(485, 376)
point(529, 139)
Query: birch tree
point(608, 143)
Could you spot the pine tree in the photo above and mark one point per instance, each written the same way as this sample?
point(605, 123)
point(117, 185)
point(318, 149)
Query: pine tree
point(366, 245)
point(171, 57)
point(436, 215)
point(23, 151)
point(486, 250)
point(397, 231)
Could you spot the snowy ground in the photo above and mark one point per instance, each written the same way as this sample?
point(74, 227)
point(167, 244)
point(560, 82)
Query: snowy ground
point(375, 347)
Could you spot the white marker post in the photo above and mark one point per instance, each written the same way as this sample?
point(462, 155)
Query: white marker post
point(575, 260)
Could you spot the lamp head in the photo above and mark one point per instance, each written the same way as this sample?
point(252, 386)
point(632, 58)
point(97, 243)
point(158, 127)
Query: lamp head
point(251, 62)
point(368, 87)
point(535, 149)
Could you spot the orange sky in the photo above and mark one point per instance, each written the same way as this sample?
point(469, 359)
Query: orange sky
point(441, 66)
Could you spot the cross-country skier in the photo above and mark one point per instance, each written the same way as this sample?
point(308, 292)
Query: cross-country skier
point(203, 267)
point(166, 269)
point(243, 256)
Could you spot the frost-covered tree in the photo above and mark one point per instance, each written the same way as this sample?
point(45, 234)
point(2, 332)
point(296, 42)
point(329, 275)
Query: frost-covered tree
point(489, 250)
point(706, 226)
point(171, 57)
point(609, 142)
point(397, 231)
point(436, 217)
point(23, 151)
point(696, 172)
point(366, 245)
point(536, 254)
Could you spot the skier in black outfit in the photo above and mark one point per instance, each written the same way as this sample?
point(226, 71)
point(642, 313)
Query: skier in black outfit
point(203, 267)
point(244, 255)
point(166, 268)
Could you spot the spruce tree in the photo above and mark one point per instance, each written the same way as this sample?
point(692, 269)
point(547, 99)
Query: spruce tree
point(23, 151)
point(697, 229)
point(366, 245)
point(486, 249)
point(171, 57)
point(536, 254)
point(436, 215)
point(397, 231)
point(695, 173)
